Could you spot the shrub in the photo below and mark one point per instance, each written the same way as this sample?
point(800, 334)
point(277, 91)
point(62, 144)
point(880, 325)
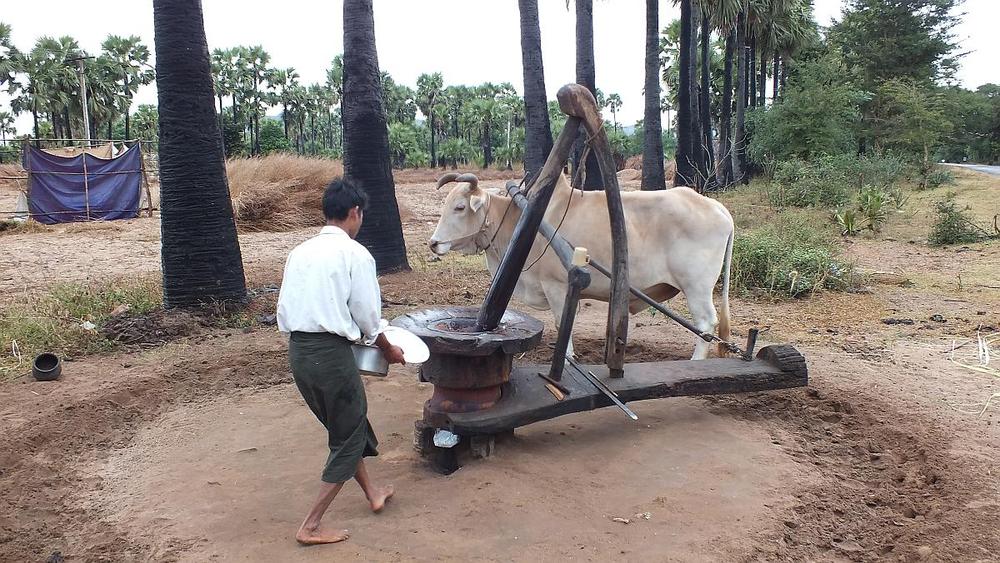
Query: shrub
point(873, 203)
point(831, 181)
point(954, 226)
point(788, 257)
point(847, 220)
point(937, 178)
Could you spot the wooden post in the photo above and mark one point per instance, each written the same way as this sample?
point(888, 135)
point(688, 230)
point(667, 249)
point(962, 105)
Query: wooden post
point(577, 101)
point(502, 288)
point(145, 179)
point(86, 184)
point(578, 278)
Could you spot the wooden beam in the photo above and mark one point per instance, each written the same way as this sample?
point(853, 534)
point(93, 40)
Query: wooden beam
point(526, 401)
point(578, 278)
point(577, 101)
point(502, 287)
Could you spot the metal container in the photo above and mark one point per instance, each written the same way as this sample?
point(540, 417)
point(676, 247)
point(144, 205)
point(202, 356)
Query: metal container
point(370, 360)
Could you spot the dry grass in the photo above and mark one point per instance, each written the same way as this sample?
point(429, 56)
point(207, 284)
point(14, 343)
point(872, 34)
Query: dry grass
point(279, 192)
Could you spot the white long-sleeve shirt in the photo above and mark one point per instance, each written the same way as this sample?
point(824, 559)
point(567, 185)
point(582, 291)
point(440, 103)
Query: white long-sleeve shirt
point(329, 285)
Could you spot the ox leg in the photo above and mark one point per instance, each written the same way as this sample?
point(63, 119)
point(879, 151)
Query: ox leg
point(702, 307)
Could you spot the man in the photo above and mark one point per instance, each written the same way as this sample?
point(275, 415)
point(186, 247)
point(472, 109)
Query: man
point(330, 298)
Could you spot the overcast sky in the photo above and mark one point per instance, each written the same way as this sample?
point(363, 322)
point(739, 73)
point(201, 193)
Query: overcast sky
point(469, 41)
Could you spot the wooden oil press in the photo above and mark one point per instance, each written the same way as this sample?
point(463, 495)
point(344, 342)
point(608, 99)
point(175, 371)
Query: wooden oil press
point(479, 394)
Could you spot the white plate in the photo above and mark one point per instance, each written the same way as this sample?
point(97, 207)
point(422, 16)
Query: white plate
point(414, 349)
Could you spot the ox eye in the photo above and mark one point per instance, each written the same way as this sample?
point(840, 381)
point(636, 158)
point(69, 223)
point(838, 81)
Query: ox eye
point(460, 207)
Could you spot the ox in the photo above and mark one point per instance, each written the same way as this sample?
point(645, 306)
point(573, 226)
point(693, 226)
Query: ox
point(678, 241)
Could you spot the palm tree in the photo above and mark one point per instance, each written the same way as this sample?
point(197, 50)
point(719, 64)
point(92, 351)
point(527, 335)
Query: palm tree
point(200, 249)
point(9, 56)
point(428, 90)
point(614, 103)
point(724, 16)
point(482, 114)
point(537, 136)
point(586, 76)
point(222, 71)
point(366, 141)
point(652, 147)
point(686, 156)
point(129, 63)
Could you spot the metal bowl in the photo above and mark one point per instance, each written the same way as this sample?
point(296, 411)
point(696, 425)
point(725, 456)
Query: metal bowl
point(370, 360)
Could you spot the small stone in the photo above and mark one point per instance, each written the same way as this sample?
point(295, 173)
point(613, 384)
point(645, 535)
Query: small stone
point(924, 552)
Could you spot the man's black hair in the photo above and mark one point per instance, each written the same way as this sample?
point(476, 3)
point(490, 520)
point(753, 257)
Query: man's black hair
point(340, 197)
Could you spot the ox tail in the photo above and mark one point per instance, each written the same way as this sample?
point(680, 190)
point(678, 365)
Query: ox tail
point(724, 306)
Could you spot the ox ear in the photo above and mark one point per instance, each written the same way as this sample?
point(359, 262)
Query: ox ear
point(477, 199)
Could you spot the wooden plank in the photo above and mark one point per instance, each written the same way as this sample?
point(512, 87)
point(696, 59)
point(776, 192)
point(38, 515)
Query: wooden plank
point(502, 287)
point(526, 400)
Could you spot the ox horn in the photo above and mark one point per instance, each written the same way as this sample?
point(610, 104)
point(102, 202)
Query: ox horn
point(455, 177)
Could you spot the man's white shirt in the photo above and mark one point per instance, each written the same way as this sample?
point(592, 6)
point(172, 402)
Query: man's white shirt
point(329, 285)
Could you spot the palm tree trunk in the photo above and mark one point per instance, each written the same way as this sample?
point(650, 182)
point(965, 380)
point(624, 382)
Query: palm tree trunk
point(430, 121)
point(586, 76)
point(686, 172)
point(284, 117)
point(201, 253)
point(774, 77)
point(697, 135)
point(128, 108)
point(725, 175)
point(652, 128)
point(537, 131)
point(739, 134)
point(487, 146)
point(34, 119)
point(366, 139)
point(705, 103)
point(751, 75)
point(762, 78)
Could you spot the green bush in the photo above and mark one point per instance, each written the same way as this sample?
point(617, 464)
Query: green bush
point(939, 177)
point(788, 257)
point(954, 226)
point(831, 181)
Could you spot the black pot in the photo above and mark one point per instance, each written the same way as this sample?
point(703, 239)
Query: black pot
point(46, 367)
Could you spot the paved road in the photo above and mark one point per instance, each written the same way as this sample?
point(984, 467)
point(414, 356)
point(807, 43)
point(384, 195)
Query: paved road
point(991, 170)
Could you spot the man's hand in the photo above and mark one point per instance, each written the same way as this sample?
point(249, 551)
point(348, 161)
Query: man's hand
point(394, 354)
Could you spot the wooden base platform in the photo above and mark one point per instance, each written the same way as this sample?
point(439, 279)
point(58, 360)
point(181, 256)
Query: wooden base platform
point(526, 400)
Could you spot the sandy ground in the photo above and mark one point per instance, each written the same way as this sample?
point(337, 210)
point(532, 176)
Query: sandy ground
point(202, 449)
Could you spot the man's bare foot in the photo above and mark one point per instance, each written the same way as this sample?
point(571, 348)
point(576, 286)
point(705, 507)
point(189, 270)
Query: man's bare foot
point(317, 536)
point(382, 494)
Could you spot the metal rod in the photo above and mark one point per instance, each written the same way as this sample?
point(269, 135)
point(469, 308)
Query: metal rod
point(596, 382)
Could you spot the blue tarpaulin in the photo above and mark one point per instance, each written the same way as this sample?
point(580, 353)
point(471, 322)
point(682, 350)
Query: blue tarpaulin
point(83, 187)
